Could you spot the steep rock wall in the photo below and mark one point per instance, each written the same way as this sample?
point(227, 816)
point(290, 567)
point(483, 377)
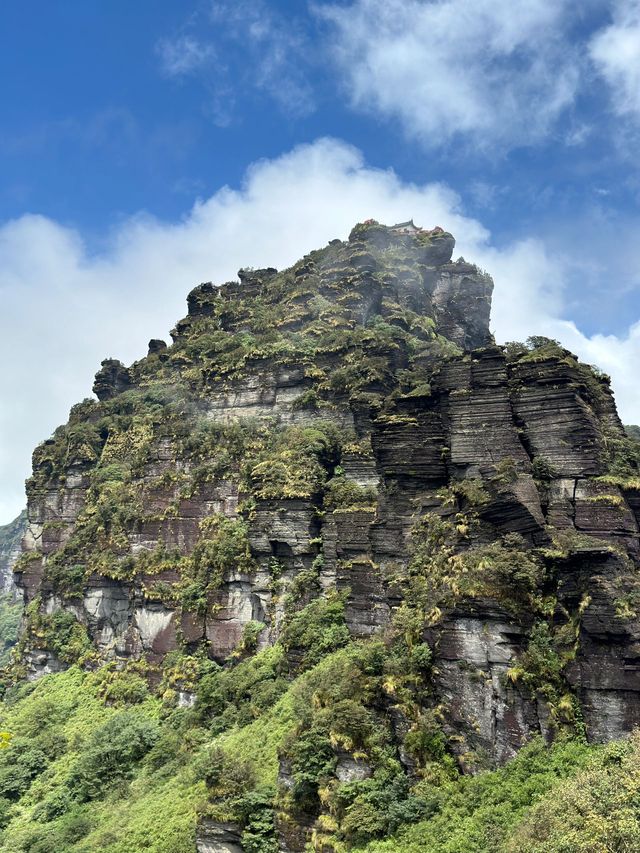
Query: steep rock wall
point(349, 427)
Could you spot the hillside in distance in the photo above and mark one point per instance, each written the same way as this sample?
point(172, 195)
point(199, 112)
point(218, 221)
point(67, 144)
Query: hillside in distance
point(10, 546)
point(314, 572)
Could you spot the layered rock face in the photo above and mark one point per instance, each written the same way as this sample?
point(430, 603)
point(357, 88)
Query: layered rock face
point(349, 428)
point(10, 548)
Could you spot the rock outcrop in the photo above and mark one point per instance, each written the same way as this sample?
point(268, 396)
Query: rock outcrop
point(349, 427)
point(113, 377)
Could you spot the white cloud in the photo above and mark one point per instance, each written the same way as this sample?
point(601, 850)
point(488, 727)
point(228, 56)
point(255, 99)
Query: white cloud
point(236, 47)
point(64, 308)
point(615, 50)
point(530, 284)
point(275, 51)
point(495, 70)
point(183, 55)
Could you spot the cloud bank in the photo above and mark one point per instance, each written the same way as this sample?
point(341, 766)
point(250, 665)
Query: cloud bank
point(495, 69)
point(493, 74)
point(64, 307)
point(492, 71)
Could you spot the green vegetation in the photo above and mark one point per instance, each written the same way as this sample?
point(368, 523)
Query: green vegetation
point(597, 809)
point(59, 632)
point(343, 495)
point(540, 669)
point(320, 325)
point(315, 631)
point(293, 463)
point(440, 571)
point(100, 760)
point(266, 462)
point(10, 616)
point(484, 813)
point(78, 771)
point(620, 448)
point(223, 548)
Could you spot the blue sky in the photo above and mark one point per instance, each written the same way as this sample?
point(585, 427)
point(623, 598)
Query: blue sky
point(514, 124)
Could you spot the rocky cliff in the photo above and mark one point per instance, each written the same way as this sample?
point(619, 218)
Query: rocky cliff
point(10, 548)
point(339, 456)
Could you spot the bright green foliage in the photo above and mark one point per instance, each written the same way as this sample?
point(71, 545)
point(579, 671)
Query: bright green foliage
point(292, 464)
point(479, 814)
point(121, 686)
point(257, 816)
point(17, 774)
point(334, 706)
point(59, 632)
point(316, 630)
point(107, 760)
point(10, 616)
point(111, 753)
point(92, 764)
point(68, 747)
point(240, 694)
point(598, 809)
point(102, 741)
point(342, 495)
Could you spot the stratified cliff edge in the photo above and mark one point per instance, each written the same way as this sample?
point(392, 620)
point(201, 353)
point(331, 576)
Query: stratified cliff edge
point(338, 452)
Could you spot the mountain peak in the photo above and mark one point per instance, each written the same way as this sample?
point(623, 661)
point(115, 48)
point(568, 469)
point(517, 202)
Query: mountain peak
point(333, 472)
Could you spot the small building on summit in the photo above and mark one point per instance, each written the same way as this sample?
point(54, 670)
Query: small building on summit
point(411, 228)
point(405, 228)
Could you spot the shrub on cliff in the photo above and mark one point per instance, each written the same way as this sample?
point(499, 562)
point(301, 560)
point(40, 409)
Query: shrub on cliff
point(111, 753)
point(344, 495)
point(312, 633)
point(598, 809)
point(10, 616)
point(481, 813)
point(291, 464)
point(223, 548)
